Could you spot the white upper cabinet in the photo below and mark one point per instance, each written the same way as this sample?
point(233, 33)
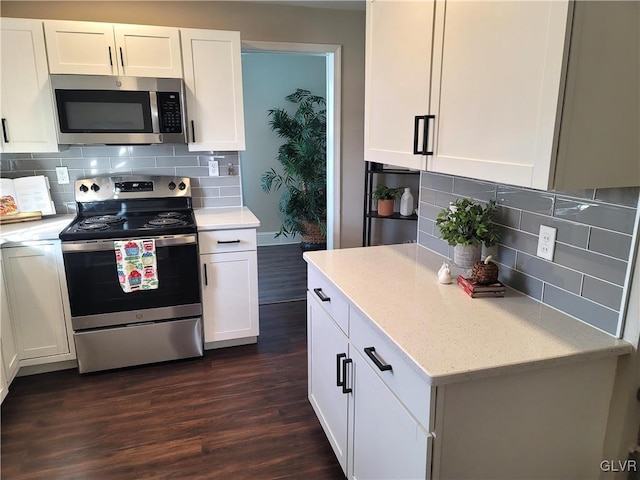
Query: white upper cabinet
point(213, 81)
point(28, 122)
point(89, 48)
point(399, 40)
point(522, 93)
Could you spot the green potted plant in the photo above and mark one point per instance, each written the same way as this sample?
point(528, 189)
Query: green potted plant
point(303, 177)
point(385, 196)
point(466, 226)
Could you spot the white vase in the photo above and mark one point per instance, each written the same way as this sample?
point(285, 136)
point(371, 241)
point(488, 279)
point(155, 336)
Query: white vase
point(406, 203)
point(465, 256)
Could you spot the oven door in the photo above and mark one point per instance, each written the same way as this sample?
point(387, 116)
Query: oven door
point(97, 300)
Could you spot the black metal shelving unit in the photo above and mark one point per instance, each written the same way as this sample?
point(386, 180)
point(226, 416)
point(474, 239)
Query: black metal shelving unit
point(371, 170)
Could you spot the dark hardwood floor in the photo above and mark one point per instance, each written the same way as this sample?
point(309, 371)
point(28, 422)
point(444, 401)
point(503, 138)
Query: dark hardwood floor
point(237, 413)
point(282, 274)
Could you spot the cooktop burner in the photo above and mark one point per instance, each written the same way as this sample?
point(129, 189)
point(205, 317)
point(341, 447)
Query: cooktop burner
point(105, 219)
point(165, 222)
point(92, 226)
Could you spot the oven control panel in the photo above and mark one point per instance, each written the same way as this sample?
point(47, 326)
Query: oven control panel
point(131, 186)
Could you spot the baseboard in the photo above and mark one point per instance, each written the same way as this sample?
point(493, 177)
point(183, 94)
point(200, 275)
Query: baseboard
point(268, 238)
point(46, 368)
point(230, 343)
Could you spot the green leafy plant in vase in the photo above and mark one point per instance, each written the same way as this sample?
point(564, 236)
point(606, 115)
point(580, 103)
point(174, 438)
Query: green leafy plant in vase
point(466, 226)
point(385, 198)
point(303, 178)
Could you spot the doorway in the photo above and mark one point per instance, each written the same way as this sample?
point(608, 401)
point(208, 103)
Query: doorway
point(325, 59)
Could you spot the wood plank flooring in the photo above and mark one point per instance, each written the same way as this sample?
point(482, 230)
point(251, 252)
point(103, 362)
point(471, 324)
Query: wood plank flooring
point(282, 274)
point(237, 413)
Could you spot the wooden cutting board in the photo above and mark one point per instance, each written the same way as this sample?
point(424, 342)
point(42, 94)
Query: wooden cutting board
point(21, 217)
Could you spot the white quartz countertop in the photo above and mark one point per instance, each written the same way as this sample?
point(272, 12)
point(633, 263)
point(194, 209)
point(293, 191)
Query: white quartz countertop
point(450, 336)
point(46, 229)
point(225, 218)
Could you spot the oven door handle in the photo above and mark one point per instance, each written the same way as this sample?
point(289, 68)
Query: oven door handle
point(102, 245)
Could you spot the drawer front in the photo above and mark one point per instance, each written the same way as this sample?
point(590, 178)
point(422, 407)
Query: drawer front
point(219, 241)
point(403, 380)
point(333, 301)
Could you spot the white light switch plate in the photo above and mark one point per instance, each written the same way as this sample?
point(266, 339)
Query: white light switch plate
point(63, 175)
point(214, 170)
point(547, 242)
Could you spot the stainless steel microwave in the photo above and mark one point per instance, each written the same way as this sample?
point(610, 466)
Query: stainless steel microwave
point(106, 110)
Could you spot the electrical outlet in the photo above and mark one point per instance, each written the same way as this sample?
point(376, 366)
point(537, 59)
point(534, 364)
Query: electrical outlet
point(63, 175)
point(214, 170)
point(547, 242)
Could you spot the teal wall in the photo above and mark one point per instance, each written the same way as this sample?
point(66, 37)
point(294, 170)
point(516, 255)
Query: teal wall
point(267, 79)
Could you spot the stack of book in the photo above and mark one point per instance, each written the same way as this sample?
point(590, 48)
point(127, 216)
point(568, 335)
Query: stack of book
point(476, 290)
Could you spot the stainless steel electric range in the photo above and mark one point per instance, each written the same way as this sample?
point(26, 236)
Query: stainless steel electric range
point(114, 327)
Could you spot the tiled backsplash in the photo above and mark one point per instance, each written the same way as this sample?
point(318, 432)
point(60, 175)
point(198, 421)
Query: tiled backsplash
point(593, 243)
point(170, 160)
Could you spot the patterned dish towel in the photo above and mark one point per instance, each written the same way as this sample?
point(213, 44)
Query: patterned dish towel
point(136, 264)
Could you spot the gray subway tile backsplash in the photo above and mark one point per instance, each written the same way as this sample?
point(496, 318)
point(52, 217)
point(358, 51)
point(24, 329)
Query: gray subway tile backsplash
point(600, 317)
point(169, 160)
point(612, 217)
point(528, 200)
point(593, 243)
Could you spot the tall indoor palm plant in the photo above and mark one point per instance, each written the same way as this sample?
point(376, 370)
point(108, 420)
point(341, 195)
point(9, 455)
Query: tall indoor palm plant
point(303, 177)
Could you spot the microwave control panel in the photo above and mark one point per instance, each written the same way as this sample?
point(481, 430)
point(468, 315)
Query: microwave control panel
point(169, 114)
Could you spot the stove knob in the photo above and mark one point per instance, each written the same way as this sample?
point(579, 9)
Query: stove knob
point(172, 186)
point(95, 187)
point(84, 188)
point(182, 186)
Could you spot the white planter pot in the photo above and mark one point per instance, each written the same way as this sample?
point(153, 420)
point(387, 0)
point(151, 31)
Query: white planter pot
point(465, 256)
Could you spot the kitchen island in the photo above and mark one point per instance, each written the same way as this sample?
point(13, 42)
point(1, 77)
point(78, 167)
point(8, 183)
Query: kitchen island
point(473, 387)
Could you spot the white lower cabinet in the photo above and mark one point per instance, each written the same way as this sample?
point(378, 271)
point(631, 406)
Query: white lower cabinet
point(368, 423)
point(387, 441)
point(229, 274)
point(384, 421)
point(38, 301)
point(327, 352)
point(10, 356)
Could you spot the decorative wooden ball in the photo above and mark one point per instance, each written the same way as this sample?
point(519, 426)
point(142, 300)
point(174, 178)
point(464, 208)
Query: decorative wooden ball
point(485, 272)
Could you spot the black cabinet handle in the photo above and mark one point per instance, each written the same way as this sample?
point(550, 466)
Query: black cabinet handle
point(121, 57)
point(193, 132)
point(110, 58)
point(344, 376)
point(425, 134)
point(206, 278)
point(228, 241)
point(5, 136)
point(339, 357)
point(370, 351)
point(321, 295)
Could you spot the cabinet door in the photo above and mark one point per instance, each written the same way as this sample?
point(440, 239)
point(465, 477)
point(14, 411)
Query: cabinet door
point(33, 286)
point(28, 122)
point(230, 295)
point(327, 349)
point(497, 78)
point(148, 51)
point(213, 81)
point(81, 47)
point(10, 355)
point(398, 74)
point(4, 388)
point(387, 440)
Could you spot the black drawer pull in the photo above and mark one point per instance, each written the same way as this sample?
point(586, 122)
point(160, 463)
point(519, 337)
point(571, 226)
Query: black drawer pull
point(228, 241)
point(321, 295)
point(425, 134)
point(5, 137)
point(344, 376)
point(370, 351)
point(339, 357)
